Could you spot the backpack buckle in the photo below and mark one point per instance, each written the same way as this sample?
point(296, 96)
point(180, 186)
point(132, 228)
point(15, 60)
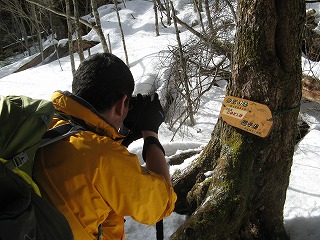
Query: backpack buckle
point(20, 159)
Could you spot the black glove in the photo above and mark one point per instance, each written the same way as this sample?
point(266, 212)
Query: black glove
point(132, 120)
point(131, 128)
point(146, 114)
point(153, 114)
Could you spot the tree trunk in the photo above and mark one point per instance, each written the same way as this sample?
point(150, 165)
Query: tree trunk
point(197, 5)
point(245, 194)
point(98, 26)
point(70, 42)
point(78, 29)
point(156, 17)
point(38, 30)
point(121, 31)
point(208, 14)
point(183, 74)
point(21, 24)
point(167, 4)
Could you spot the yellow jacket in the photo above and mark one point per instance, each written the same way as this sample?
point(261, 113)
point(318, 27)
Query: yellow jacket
point(93, 179)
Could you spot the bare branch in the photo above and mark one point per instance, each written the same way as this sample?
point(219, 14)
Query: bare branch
point(84, 22)
point(190, 29)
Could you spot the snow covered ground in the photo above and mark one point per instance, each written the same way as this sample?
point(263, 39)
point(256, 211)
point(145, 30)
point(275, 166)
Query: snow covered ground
point(302, 207)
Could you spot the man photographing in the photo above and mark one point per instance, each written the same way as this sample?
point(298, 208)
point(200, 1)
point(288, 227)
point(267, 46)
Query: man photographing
point(90, 176)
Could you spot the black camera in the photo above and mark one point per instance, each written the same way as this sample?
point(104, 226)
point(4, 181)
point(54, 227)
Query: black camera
point(137, 105)
point(145, 114)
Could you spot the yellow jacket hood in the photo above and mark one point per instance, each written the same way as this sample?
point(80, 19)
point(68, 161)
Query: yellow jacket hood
point(74, 106)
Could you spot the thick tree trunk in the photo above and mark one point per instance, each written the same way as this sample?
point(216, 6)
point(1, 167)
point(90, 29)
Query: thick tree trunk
point(245, 194)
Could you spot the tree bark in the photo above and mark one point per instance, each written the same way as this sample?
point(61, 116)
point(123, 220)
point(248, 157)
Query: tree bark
point(245, 195)
point(21, 24)
point(38, 30)
point(122, 34)
point(70, 42)
point(78, 29)
point(183, 74)
point(156, 17)
point(98, 26)
point(167, 4)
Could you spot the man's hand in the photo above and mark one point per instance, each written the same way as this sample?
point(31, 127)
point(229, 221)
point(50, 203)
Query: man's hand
point(133, 118)
point(153, 115)
point(146, 114)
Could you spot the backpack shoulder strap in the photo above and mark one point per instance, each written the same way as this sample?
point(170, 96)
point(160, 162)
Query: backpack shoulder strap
point(50, 136)
point(53, 135)
point(60, 132)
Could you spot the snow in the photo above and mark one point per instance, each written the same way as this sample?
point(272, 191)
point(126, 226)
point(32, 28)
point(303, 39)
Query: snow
point(145, 50)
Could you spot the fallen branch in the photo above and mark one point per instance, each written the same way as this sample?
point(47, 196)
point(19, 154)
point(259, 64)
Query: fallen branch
point(181, 157)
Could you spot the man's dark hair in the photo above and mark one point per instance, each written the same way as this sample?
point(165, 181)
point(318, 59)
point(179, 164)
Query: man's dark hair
point(101, 80)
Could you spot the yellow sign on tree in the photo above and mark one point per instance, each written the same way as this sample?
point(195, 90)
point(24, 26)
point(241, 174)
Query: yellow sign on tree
point(247, 115)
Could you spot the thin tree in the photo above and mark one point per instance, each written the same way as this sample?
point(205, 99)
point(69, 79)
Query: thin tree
point(18, 15)
point(208, 14)
point(78, 29)
point(161, 7)
point(183, 73)
point(167, 4)
point(53, 40)
point(197, 5)
point(121, 30)
point(98, 24)
point(37, 27)
point(244, 195)
point(109, 42)
point(156, 23)
point(70, 40)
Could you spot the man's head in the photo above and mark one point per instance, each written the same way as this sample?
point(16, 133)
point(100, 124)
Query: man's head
point(102, 79)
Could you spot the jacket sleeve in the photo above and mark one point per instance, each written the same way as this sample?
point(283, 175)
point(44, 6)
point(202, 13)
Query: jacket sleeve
point(132, 190)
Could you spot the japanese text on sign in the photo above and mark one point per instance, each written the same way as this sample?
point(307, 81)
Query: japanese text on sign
point(247, 115)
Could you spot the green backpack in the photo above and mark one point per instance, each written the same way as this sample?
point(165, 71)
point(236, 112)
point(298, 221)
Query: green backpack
point(23, 129)
point(23, 213)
